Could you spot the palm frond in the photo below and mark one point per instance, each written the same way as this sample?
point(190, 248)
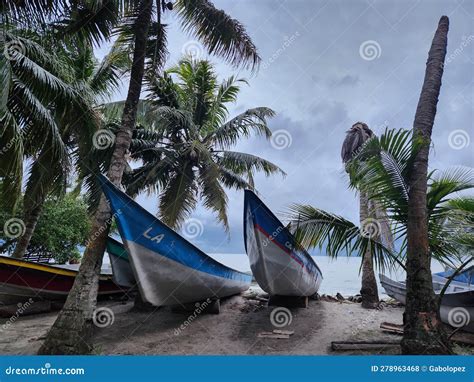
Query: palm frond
point(339, 236)
point(242, 163)
point(241, 126)
point(179, 198)
point(222, 35)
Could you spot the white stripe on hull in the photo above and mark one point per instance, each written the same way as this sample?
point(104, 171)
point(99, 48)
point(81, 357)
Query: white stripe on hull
point(163, 281)
point(275, 271)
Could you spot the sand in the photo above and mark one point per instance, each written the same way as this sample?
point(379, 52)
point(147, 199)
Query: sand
point(234, 331)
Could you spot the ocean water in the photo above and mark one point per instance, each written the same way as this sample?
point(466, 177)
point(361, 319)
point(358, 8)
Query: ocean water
point(340, 275)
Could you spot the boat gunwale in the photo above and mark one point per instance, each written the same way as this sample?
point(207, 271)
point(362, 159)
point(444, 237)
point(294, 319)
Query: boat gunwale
point(49, 268)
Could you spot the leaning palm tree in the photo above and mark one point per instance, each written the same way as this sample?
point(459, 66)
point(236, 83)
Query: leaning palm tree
point(424, 332)
point(71, 332)
point(383, 166)
point(192, 156)
point(356, 137)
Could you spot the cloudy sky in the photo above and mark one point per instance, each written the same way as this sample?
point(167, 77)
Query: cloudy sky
point(327, 64)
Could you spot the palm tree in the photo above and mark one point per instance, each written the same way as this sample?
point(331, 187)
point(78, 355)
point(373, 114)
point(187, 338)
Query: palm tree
point(355, 139)
point(423, 332)
point(39, 92)
point(50, 174)
point(191, 156)
point(383, 166)
point(71, 332)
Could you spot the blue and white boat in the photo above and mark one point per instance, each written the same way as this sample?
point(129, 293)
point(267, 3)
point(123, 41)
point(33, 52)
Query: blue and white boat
point(168, 268)
point(278, 264)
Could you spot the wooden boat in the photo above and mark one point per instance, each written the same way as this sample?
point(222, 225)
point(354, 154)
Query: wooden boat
point(466, 276)
point(169, 269)
point(21, 280)
point(278, 264)
point(457, 304)
point(122, 272)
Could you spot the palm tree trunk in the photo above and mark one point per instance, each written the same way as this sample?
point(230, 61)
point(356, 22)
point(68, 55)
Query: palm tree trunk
point(369, 290)
point(72, 330)
point(31, 219)
point(423, 332)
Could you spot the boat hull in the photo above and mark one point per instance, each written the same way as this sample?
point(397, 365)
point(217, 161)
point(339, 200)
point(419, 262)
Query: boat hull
point(458, 301)
point(21, 280)
point(163, 281)
point(277, 265)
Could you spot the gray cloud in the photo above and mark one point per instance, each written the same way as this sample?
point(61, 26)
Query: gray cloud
point(319, 84)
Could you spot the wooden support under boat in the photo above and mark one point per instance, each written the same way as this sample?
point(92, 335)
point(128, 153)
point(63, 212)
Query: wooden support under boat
point(289, 301)
point(210, 306)
point(459, 337)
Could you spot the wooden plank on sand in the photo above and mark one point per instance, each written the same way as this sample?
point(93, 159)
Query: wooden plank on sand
point(363, 345)
point(273, 335)
point(459, 337)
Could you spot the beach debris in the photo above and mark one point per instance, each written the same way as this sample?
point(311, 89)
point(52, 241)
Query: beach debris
point(277, 334)
point(459, 337)
point(364, 345)
point(315, 297)
point(340, 297)
point(326, 297)
point(287, 332)
point(357, 298)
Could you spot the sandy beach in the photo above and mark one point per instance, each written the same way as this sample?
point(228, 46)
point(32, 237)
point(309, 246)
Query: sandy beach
point(234, 331)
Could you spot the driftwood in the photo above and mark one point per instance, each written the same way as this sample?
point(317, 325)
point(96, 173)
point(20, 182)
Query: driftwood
point(278, 334)
point(273, 335)
point(459, 337)
point(363, 345)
